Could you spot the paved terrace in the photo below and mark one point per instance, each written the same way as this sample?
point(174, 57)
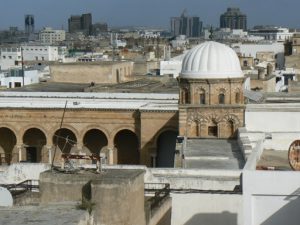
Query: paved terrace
point(213, 154)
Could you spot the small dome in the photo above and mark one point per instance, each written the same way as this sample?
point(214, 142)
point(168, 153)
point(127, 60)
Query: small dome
point(211, 60)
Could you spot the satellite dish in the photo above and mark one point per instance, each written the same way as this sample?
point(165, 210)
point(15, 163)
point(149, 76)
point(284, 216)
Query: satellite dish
point(294, 155)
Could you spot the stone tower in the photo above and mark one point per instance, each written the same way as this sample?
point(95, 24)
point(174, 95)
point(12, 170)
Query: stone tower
point(211, 103)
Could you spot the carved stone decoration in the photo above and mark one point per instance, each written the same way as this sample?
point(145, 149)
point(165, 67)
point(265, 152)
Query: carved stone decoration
point(231, 118)
point(201, 89)
point(196, 116)
point(214, 118)
point(221, 89)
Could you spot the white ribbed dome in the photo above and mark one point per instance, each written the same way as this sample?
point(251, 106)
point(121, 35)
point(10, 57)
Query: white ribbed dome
point(211, 60)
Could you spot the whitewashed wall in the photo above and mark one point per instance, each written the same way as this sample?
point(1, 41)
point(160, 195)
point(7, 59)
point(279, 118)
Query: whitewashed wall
point(271, 197)
point(273, 117)
point(278, 125)
point(206, 209)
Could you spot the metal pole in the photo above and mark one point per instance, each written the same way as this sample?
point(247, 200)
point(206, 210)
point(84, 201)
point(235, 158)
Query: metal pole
point(22, 58)
point(57, 136)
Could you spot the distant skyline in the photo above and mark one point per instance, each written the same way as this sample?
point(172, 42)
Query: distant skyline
point(157, 13)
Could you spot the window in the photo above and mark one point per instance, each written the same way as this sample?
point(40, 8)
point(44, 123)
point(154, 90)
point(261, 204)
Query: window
point(43, 59)
point(17, 84)
point(230, 126)
point(221, 98)
point(245, 63)
point(237, 97)
point(185, 99)
point(202, 98)
point(9, 84)
point(36, 58)
point(213, 131)
point(9, 57)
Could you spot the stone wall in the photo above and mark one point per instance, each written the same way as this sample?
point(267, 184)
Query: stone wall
point(111, 197)
point(91, 72)
point(119, 198)
point(144, 67)
point(59, 187)
point(146, 125)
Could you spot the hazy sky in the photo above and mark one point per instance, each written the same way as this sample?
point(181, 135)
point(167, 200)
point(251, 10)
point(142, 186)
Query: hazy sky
point(146, 12)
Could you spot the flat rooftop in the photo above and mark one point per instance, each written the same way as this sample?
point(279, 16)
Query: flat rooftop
point(213, 154)
point(67, 214)
point(271, 159)
point(142, 84)
point(96, 101)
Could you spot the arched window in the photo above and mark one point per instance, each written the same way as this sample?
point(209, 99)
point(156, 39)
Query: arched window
point(202, 97)
point(221, 98)
point(237, 97)
point(118, 76)
point(185, 99)
point(230, 125)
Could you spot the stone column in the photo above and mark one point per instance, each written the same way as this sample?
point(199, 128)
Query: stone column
point(153, 159)
point(22, 152)
point(112, 155)
point(49, 150)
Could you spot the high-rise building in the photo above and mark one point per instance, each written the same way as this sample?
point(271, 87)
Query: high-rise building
point(29, 24)
point(233, 18)
point(74, 23)
point(191, 26)
point(80, 23)
point(86, 23)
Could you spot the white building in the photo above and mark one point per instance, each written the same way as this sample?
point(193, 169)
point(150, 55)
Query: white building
point(278, 34)
point(227, 33)
point(42, 53)
point(49, 36)
point(13, 78)
point(172, 66)
point(10, 57)
point(251, 50)
point(149, 34)
point(180, 42)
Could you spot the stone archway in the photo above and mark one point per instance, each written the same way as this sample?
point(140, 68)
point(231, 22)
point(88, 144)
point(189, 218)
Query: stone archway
point(64, 139)
point(166, 144)
point(34, 140)
point(8, 141)
point(95, 140)
point(127, 145)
